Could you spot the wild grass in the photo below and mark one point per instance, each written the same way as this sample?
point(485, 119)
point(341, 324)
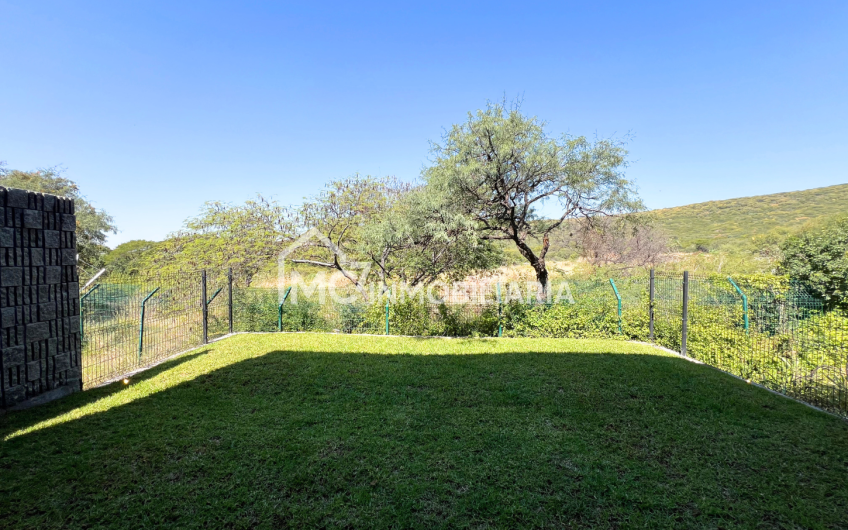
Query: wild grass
point(312, 430)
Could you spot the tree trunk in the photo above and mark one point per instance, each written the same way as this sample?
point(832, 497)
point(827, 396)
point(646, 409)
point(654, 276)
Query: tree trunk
point(538, 264)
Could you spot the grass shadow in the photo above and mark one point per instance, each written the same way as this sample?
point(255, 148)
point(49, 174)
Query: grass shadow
point(517, 439)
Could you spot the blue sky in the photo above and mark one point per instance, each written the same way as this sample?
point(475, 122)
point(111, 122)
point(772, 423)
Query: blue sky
point(156, 107)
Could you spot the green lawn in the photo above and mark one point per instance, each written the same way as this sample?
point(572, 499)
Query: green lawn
point(310, 430)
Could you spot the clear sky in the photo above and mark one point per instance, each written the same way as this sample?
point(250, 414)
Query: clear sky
point(156, 107)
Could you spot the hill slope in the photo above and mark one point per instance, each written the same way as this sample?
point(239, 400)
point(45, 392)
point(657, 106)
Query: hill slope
point(733, 223)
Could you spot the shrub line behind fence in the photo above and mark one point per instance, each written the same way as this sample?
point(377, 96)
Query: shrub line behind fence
point(775, 334)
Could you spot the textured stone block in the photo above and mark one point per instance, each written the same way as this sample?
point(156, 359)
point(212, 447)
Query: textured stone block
point(11, 276)
point(49, 204)
point(14, 355)
point(53, 275)
point(46, 311)
point(36, 257)
point(69, 223)
point(17, 198)
point(33, 370)
point(32, 219)
point(7, 315)
point(7, 237)
point(69, 256)
point(14, 394)
point(62, 361)
point(51, 239)
point(37, 331)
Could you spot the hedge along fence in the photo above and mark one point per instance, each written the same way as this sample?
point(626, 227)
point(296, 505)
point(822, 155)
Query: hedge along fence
point(786, 343)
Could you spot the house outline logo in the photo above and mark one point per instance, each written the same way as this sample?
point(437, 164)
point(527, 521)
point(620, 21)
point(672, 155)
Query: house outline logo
point(341, 257)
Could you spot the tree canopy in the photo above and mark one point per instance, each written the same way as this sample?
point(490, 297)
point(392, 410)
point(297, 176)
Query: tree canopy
point(500, 167)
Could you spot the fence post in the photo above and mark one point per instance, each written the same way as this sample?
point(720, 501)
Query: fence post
point(230, 292)
point(387, 317)
point(280, 310)
point(500, 312)
point(618, 297)
point(685, 329)
point(651, 288)
point(744, 302)
point(204, 306)
point(141, 323)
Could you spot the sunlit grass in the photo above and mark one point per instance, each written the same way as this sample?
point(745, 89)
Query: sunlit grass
point(313, 430)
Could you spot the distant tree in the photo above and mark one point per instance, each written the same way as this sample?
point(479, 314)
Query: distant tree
point(500, 167)
point(630, 241)
point(130, 257)
point(246, 237)
point(93, 225)
point(818, 256)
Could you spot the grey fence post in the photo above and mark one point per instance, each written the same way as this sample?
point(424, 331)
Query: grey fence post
point(651, 288)
point(685, 330)
point(204, 306)
point(230, 292)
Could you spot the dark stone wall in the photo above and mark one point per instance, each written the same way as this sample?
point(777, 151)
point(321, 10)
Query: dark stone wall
point(39, 298)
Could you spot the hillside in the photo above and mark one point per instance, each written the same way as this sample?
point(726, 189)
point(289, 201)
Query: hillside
point(733, 223)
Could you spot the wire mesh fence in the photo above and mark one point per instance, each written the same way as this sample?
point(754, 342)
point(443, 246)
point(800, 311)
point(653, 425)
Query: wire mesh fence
point(128, 323)
point(777, 335)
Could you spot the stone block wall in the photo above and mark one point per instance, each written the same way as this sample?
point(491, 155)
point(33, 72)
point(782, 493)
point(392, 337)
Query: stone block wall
point(40, 349)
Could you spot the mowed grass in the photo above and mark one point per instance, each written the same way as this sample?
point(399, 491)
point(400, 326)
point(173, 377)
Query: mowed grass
point(310, 430)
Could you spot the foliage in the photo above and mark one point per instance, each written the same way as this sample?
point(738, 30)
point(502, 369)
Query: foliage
point(419, 241)
point(500, 167)
point(245, 237)
point(93, 225)
point(130, 257)
point(818, 257)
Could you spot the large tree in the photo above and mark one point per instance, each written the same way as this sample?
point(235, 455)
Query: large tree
point(93, 224)
point(500, 167)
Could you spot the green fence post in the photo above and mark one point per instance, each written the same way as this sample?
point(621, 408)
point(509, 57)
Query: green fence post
point(141, 323)
point(500, 312)
point(82, 320)
point(618, 297)
point(744, 302)
point(280, 310)
point(387, 317)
